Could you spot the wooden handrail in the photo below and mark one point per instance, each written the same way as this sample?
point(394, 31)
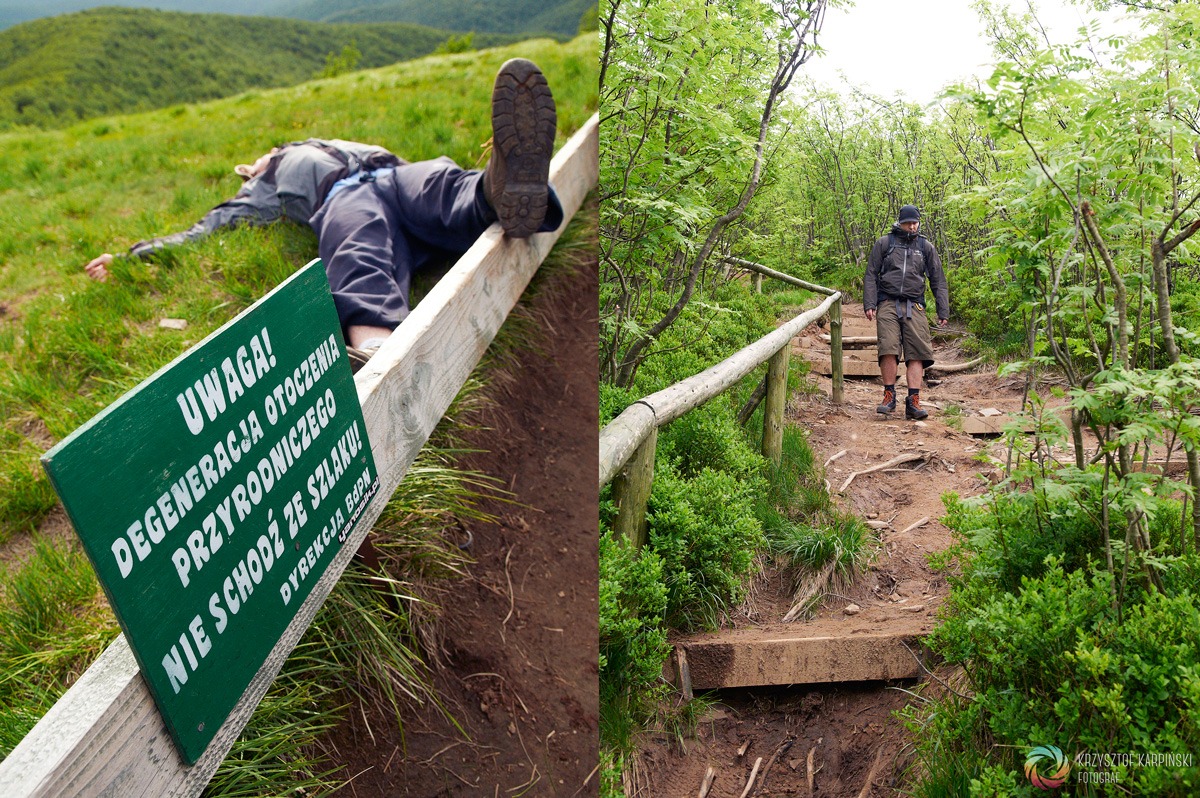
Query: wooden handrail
point(105, 735)
point(787, 278)
point(627, 443)
point(621, 437)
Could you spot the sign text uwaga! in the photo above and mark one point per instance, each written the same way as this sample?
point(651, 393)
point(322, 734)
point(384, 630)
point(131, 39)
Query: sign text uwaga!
point(212, 497)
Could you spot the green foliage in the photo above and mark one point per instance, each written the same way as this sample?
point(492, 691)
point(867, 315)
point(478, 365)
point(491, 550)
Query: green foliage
point(59, 70)
point(705, 531)
point(590, 20)
point(1052, 664)
point(685, 86)
point(1064, 640)
point(457, 44)
point(339, 64)
point(633, 640)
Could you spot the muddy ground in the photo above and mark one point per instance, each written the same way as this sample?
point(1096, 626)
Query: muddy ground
point(844, 739)
point(518, 662)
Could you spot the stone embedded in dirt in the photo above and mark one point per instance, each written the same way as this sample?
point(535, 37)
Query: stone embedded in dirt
point(990, 411)
point(872, 515)
point(173, 324)
point(878, 524)
point(921, 423)
point(852, 609)
point(913, 608)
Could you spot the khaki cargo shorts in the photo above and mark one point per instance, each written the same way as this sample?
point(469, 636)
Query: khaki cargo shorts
point(903, 336)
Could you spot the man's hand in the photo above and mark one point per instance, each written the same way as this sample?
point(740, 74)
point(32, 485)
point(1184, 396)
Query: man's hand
point(871, 314)
point(943, 322)
point(97, 268)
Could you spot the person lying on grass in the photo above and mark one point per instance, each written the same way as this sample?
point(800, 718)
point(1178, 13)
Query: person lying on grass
point(379, 218)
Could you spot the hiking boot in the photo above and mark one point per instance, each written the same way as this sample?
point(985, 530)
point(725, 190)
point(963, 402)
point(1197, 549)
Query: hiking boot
point(359, 357)
point(516, 181)
point(889, 401)
point(912, 408)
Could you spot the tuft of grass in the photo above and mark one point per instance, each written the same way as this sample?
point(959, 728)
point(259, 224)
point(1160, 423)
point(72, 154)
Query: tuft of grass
point(53, 623)
point(801, 521)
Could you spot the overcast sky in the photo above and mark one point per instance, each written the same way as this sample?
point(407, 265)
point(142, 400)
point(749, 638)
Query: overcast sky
point(887, 47)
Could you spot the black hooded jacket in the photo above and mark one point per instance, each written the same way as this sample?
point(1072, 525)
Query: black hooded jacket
point(897, 268)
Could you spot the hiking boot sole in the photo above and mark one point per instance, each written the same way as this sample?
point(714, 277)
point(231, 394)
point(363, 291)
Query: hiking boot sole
point(524, 123)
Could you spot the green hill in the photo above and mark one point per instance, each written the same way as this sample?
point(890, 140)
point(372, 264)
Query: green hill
point(59, 70)
point(495, 16)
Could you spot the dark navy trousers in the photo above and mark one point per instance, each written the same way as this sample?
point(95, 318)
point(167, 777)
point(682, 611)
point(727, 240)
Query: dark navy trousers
point(374, 235)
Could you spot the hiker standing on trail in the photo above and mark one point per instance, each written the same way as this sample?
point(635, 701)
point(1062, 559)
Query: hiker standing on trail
point(894, 298)
point(379, 218)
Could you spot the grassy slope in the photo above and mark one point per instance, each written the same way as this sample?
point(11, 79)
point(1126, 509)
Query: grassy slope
point(59, 70)
point(69, 346)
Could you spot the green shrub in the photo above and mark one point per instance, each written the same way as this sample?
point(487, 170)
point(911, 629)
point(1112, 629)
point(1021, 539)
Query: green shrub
point(633, 640)
point(1054, 665)
point(706, 533)
point(710, 438)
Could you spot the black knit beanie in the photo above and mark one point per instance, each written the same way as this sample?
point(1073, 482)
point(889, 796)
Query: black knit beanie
point(909, 213)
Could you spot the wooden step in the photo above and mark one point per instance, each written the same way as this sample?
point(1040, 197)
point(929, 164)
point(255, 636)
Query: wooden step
point(851, 367)
point(797, 657)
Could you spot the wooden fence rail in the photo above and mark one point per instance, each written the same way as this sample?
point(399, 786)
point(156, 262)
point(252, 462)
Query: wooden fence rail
point(627, 443)
point(105, 736)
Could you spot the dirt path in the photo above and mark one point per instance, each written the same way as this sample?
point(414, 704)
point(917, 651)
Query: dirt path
point(842, 739)
point(520, 637)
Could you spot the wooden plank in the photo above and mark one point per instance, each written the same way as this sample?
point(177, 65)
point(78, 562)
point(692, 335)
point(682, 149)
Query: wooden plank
point(980, 425)
point(851, 367)
point(671, 403)
point(852, 341)
point(105, 736)
point(758, 268)
point(801, 659)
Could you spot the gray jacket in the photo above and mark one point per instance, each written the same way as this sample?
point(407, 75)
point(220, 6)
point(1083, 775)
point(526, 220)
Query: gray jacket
point(897, 268)
point(294, 184)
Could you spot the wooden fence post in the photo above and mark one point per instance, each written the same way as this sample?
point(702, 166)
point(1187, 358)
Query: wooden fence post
point(631, 492)
point(777, 372)
point(835, 351)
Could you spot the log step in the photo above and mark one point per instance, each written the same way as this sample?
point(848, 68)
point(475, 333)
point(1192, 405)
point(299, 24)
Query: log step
point(797, 658)
point(850, 366)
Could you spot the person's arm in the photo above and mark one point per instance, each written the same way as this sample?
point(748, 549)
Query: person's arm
point(255, 204)
point(870, 280)
point(937, 281)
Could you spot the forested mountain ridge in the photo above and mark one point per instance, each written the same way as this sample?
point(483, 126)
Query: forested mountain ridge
point(112, 60)
point(495, 16)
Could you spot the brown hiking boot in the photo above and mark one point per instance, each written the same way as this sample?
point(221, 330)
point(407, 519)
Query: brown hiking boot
point(889, 402)
point(912, 408)
point(359, 357)
point(516, 181)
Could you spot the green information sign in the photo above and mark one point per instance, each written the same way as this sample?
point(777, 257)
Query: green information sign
point(211, 498)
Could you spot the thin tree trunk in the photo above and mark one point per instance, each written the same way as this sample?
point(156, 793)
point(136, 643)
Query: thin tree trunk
point(789, 62)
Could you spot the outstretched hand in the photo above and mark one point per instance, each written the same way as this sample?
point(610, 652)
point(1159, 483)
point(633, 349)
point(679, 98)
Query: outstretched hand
point(97, 268)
